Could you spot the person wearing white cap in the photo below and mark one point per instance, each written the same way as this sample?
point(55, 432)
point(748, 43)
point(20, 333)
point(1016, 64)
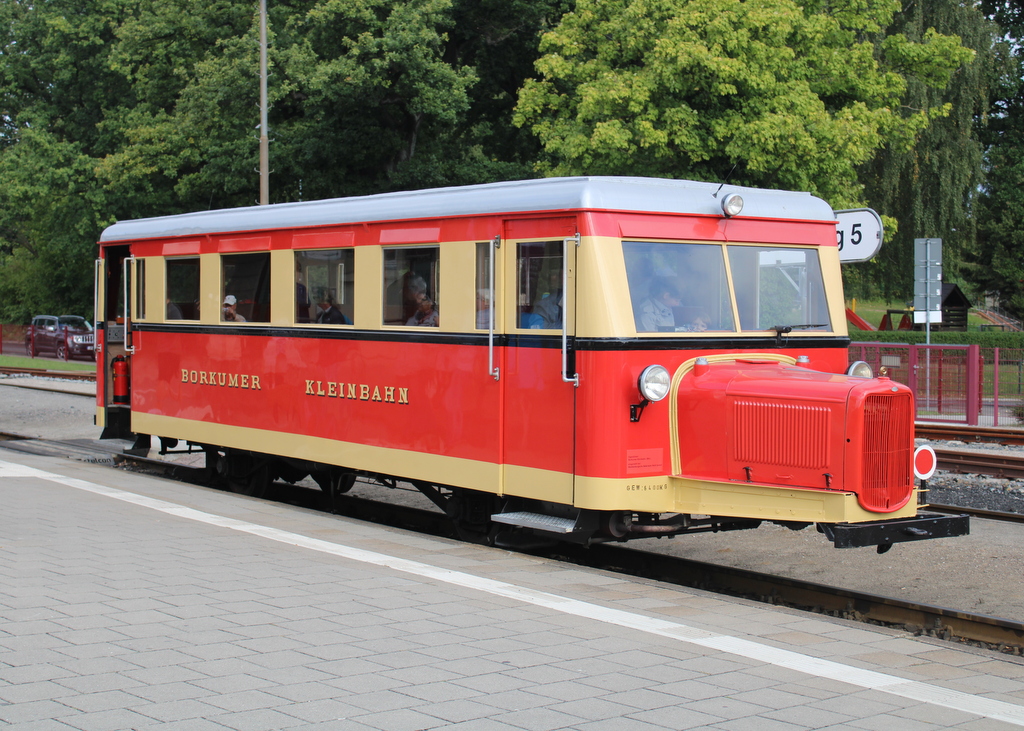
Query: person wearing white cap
point(228, 311)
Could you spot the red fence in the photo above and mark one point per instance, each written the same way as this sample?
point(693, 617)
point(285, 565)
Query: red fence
point(962, 384)
point(12, 340)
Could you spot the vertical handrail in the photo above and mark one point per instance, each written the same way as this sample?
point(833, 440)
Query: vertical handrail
point(575, 378)
point(492, 370)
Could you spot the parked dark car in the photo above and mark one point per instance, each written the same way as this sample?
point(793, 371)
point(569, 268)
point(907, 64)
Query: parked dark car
point(66, 336)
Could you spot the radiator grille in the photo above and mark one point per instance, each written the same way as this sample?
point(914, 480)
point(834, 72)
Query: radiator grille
point(888, 478)
point(782, 435)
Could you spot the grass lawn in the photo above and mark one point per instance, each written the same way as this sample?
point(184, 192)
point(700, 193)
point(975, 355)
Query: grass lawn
point(874, 310)
point(15, 361)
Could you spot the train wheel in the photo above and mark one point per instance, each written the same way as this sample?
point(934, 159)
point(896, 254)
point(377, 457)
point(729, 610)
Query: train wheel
point(471, 511)
point(248, 475)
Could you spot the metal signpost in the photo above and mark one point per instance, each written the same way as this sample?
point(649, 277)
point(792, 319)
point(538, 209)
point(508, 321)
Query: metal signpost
point(927, 283)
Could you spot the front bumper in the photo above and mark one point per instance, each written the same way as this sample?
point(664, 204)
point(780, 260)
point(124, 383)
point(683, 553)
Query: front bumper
point(885, 533)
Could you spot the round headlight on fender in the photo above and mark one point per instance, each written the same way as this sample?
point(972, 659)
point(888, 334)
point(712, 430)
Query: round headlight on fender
point(860, 369)
point(654, 383)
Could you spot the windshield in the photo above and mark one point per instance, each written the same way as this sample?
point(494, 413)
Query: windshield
point(73, 322)
point(779, 287)
point(678, 287)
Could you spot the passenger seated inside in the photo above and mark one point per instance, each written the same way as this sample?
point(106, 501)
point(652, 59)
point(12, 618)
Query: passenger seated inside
point(426, 312)
point(549, 307)
point(692, 319)
point(656, 312)
point(229, 312)
point(329, 313)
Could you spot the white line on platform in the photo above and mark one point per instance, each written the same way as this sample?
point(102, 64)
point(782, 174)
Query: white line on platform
point(914, 690)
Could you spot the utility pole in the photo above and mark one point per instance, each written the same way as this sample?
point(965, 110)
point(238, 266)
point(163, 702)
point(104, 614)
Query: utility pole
point(264, 139)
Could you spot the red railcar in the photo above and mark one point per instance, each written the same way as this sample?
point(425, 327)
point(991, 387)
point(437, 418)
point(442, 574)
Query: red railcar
point(582, 358)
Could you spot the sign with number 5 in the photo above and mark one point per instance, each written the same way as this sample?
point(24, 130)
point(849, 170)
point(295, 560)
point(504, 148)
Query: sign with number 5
point(858, 234)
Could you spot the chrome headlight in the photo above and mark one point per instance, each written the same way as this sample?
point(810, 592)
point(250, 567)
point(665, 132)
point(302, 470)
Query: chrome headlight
point(732, 205)
point(860, 369)
point(654, 383)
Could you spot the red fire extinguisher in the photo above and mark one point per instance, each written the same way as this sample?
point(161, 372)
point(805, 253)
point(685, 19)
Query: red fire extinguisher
point(120, 368)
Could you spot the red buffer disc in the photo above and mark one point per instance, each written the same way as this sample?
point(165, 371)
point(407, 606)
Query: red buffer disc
point(925, 462)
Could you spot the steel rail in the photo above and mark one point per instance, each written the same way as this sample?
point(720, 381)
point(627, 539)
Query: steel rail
point(993, 464)
point(69, 375)
point(978, 513)
point(963, 433)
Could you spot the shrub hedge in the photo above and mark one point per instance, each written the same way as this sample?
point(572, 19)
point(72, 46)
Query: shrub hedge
point(986, 339)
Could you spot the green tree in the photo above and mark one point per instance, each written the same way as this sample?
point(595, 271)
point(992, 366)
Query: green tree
point(997, 267)
point(930, 188)
point(55, 84)
point(762, 92)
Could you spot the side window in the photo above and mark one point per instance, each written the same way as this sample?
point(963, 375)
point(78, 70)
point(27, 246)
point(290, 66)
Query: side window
point(483, 286)
point(140, 289)
point(246, 287)
point(324, 286)
point(182, 292)
point(539, 301)
point(411, 277)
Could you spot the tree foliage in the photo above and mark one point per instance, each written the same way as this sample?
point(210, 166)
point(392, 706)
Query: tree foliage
point(787, 95)
point(997, 265)
point(930, 188)
point(119, 109)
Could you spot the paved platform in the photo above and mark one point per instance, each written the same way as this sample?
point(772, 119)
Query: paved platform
point(131, 602)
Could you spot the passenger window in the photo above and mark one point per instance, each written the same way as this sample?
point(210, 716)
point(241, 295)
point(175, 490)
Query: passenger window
point(411, 294)
point(678, 287)
point(246, 287)
point(140, 289)
point(483, 286)
point(324, 286)
point(540, 300)
point(182, 293)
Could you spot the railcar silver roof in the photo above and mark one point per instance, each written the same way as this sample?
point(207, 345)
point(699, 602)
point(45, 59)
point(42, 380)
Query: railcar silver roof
point(654, 195)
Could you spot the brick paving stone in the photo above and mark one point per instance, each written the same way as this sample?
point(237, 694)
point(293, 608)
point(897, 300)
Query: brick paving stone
point(261, 720)
point(620, 724)
point(383, 700)
point(400, 720)
point(676, 717)
point(540, 719)
point(112, 720)
point(516, 700)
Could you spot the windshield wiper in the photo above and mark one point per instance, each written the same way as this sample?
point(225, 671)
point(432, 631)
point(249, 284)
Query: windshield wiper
point(781, 330)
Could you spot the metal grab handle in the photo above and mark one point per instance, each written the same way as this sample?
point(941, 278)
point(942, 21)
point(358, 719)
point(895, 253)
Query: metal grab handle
point(574, 379)
point(491, 369)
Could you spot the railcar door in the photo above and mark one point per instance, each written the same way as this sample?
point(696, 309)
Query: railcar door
point(538, 378)
point(113, 280)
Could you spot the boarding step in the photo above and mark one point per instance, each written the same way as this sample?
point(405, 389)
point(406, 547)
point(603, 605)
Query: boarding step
point(537, 521)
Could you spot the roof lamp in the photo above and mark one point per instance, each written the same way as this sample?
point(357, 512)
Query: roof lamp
point(732, 204)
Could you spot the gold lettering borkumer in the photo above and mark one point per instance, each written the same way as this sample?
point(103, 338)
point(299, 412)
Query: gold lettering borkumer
point(225, 380)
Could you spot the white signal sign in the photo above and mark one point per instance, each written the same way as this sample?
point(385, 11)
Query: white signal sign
point(858, 234)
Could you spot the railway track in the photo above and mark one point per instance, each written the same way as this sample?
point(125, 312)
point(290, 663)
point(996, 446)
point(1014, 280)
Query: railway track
point(45, 373)
point(963, 433)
